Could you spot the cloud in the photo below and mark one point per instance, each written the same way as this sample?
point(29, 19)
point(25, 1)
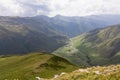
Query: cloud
point(8, 7)
point(89, 7)
point(62, 7)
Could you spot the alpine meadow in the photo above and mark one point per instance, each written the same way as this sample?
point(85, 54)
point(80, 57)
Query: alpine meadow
point(59, 40)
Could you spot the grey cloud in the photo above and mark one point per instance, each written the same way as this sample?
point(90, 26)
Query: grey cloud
point(32, 8)
point(54, 7)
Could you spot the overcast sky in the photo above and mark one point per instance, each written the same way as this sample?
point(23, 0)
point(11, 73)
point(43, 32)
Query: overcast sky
point(61, 7)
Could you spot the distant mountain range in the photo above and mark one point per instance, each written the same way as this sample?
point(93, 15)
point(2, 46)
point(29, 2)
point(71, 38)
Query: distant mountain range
point(42, 33)
point(73, 26)
point(97, 47)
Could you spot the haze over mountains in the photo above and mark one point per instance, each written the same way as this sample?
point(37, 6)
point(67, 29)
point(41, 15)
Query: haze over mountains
point(73, 26)
point(42, 33)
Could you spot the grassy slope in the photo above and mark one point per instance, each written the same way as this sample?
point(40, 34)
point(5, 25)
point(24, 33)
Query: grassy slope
point(29, 34)
point(73, 54)
point(27, 67)
point(98, 47)
point(95, 73)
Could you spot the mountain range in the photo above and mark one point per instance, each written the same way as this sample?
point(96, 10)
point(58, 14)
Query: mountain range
point(19, 35)
point(42, 46)
point(74, 26)
point(24, 35)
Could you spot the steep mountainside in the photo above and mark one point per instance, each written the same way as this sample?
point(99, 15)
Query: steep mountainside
point(29, 66)
point(74, 26)
point(95, 73)
point(97, 47)
point(23, 35)
point(42, 33)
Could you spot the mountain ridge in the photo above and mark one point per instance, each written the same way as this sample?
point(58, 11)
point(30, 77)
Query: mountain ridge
point(21, 35)
point(73, 26)
point(41, 33)
point(28, 66)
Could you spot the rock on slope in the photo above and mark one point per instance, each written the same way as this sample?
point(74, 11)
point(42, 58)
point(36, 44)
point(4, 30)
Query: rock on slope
point(95, 73)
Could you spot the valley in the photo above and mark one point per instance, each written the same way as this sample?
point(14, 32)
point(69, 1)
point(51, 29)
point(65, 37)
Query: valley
point(43, 47)
point(97, 47)
point(46, 34)
point(59, 39)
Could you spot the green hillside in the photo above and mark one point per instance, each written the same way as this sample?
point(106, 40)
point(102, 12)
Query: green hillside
point(94, 73)
point(29, 34)
point(97, 47)
point(27, 67)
